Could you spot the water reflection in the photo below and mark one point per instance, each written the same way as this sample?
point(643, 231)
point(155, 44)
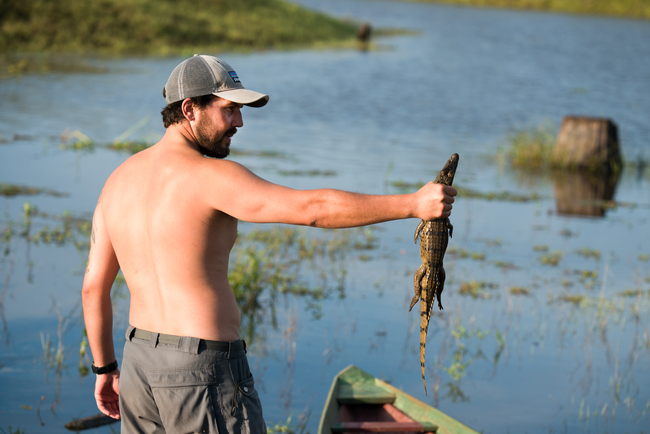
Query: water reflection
point(584, 194)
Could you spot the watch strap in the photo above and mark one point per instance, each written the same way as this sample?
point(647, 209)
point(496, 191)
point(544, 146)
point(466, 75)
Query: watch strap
point(104, 369)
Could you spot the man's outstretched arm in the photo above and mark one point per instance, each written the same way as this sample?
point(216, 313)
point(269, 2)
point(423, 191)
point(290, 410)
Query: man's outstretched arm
point(98, 312)
point(247, 197)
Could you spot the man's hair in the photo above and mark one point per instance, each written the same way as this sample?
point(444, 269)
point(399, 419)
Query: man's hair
point(173, 113)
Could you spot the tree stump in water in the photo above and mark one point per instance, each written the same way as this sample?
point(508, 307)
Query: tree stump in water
point(587, 144)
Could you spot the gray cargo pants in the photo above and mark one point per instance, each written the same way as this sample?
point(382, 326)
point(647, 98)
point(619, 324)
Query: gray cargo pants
point(172, 384)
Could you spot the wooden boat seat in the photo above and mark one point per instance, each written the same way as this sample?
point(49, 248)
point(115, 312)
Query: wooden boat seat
point(364, 394)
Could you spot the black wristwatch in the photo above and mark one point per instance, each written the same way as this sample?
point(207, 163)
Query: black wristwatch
point(104, 369)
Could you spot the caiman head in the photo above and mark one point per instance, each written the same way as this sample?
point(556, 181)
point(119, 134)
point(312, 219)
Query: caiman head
point(446, 175)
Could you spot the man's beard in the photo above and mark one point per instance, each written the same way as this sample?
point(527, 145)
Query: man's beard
point(214, 147)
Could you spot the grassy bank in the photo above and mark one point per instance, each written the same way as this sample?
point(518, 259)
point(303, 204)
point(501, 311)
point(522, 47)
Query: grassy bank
point(617, 8)
point(161, 27)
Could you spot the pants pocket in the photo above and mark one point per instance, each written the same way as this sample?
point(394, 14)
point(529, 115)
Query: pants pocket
point(245, 409)
point(184, 401)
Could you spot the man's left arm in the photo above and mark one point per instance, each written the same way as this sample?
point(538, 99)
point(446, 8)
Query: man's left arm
point(98, 312)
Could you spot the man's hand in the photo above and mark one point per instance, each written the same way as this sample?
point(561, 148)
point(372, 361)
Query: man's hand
point(435, 201)
point(107, 391)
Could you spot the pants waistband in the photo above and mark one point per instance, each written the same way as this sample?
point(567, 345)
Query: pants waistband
point(204, 344)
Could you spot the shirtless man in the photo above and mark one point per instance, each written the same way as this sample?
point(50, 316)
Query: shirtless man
point(167, 217)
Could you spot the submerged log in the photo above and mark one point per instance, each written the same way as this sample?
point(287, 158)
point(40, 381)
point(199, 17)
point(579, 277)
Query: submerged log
point(90, 422)
point(589, 144)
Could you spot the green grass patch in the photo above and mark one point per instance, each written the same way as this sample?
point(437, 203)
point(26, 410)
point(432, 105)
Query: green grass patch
point(531, 148)
point(476, 289)
point(618, 8)
point(12, 190)
point(519, 290)
point(164, 27)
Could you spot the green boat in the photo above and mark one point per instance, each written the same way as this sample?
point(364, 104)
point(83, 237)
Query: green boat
point(358, 402)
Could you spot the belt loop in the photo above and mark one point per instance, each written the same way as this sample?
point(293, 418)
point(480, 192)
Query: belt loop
point(229, 349)
point(245, 352)
point(154, 340)
point(194, 345)
point(129, 333)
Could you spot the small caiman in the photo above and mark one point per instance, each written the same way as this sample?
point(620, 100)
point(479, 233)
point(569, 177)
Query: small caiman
point(429, 279)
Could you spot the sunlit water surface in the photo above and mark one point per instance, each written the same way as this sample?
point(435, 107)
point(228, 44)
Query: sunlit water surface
point(571, 355)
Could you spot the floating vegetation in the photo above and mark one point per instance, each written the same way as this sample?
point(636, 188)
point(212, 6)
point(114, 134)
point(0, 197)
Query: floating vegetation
point(589, 253)
point(505, 265)
point(130, 147)
point(568, 233)
point(553, 258)
point(12, 190)
point(573, 299)
point(519, 290)
point(644, 257)
point(311, 173)
point(464, 254)
point(476, 289)
point(634, 293)
point(540, 248)
point(504, 196)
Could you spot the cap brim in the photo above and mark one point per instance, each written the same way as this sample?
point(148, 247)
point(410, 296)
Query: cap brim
point(244, 96)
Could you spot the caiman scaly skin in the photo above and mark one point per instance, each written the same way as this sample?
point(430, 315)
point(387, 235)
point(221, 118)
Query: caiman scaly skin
point(429, 280)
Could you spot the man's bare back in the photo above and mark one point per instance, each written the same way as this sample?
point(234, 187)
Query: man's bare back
point(172, 246)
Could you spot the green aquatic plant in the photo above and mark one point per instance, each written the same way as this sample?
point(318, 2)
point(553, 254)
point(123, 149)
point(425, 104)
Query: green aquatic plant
point(131, 147)
point(462, 253)
point(519, 290)
point(11, 430)
point(589, 253)
point(503, 196)
point(287, 427)
point(476, 289)
point(531, 148)
point(553, 258)
point(12, 190)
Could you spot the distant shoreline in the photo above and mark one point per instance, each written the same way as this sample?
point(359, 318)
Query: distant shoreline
point(611, 8)
point(162, 28)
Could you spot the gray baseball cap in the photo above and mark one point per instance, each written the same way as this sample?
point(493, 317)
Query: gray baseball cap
point(204, 75)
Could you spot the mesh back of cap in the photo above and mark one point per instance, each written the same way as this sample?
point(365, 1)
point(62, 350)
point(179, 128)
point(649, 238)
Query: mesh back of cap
point(189, 79)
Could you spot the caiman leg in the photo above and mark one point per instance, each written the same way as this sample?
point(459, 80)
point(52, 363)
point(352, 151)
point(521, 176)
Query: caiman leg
point(417, 231)
point(417, 284)
point(417, 279)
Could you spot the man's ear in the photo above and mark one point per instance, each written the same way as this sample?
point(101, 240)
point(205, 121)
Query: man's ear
point(188, 109)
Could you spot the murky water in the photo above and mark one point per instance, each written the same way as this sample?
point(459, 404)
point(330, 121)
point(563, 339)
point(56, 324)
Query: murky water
point(522, 346)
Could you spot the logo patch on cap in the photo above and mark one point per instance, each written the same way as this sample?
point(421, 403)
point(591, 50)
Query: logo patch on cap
point(234, 77)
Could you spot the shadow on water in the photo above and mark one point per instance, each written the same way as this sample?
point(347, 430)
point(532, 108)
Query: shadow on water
point(584, 194)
